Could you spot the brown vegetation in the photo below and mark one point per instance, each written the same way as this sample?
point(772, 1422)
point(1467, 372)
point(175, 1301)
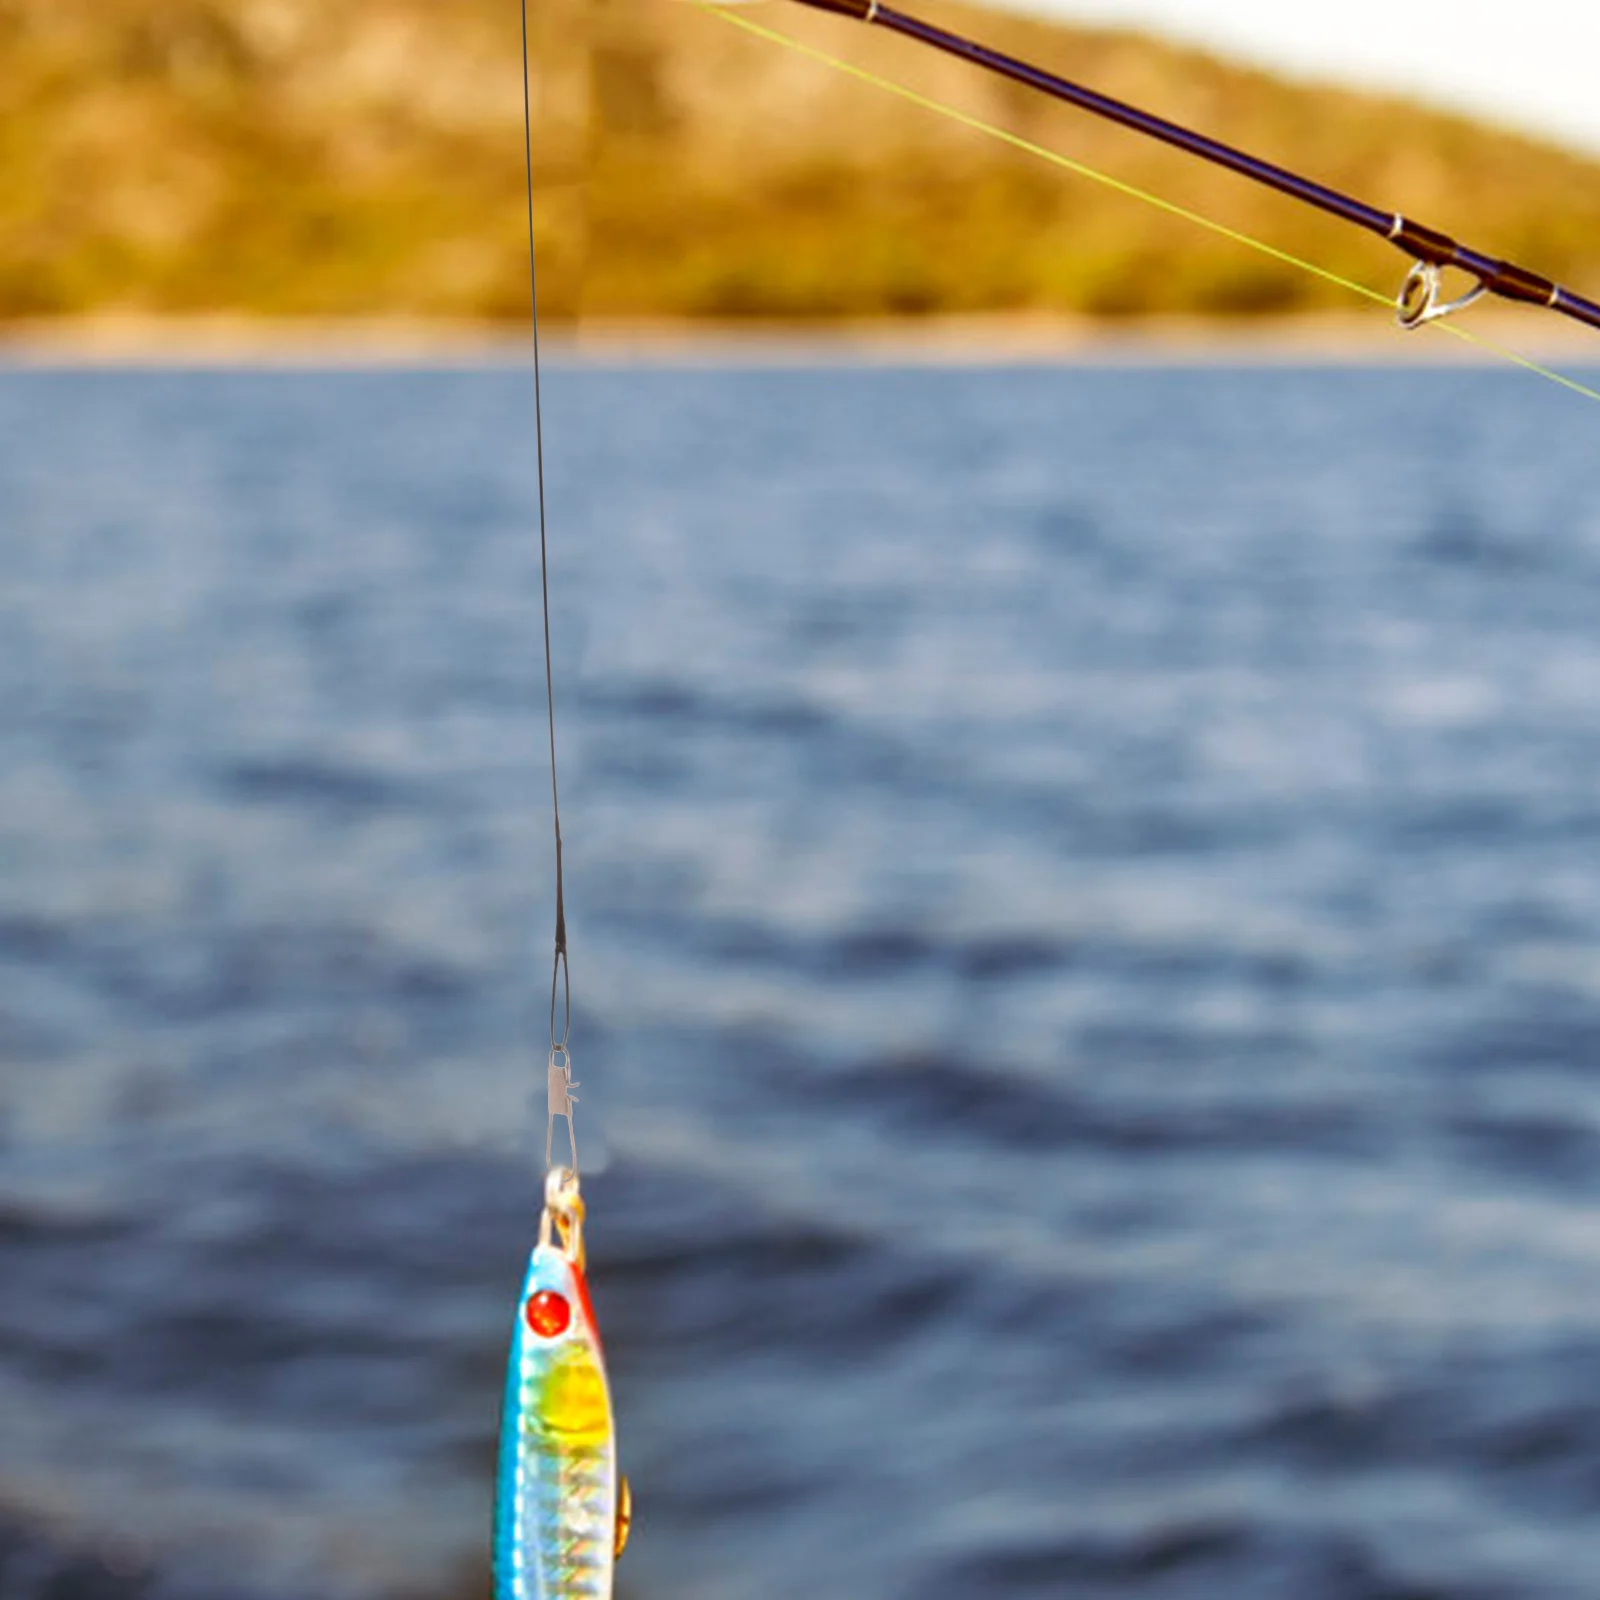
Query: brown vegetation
point(287, 157)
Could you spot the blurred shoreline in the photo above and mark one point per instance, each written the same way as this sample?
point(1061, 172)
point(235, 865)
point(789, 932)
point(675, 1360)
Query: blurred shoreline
point(1357, 338)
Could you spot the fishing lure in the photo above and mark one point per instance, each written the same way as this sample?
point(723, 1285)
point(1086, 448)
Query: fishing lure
point(561, 1511)
point(561, 1514)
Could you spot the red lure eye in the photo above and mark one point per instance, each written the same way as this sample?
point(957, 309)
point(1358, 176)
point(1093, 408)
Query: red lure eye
point(548, 1313)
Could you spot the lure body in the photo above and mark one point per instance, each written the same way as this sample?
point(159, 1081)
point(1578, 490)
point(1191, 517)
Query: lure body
point(556, 1511)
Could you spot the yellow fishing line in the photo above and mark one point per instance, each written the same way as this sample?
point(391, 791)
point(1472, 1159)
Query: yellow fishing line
point(1516, 358)
point(1133, 191)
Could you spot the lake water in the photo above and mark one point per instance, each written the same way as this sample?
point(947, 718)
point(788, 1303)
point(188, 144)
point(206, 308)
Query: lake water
point(1085, 907)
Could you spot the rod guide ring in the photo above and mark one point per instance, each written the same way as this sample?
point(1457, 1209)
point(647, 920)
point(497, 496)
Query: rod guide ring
point(1419, 299)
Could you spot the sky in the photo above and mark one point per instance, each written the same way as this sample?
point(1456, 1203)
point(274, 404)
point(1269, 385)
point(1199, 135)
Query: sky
point(1530, 65)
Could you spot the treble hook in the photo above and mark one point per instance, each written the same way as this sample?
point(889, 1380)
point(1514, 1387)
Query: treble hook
point(1418, 301)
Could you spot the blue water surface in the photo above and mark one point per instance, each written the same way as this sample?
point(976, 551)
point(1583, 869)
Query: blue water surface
point(1085, 905)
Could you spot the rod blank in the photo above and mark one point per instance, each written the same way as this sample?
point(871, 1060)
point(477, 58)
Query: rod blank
point(1421, 243)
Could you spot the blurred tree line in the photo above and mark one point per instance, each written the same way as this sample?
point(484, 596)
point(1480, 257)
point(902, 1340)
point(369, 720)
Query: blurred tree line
point(291, 157)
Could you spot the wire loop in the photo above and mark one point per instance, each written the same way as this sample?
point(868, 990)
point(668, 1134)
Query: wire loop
point(560, 982)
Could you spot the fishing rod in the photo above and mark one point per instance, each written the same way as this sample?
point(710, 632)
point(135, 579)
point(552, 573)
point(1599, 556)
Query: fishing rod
point(1421, 297)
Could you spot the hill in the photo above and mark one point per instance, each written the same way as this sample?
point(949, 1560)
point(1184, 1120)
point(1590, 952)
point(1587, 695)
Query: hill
point(290, 157)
